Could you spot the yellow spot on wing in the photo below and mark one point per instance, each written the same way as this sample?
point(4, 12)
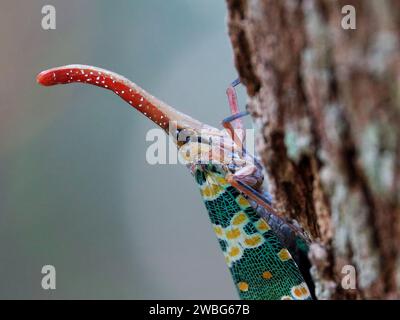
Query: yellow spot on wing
point(239, 218)
point(242, 201)
point(222, 181)
point(218, 231)
point(243, 286)
point(301, 291)
point(253, 241)
point(210, 190)
point(267, 275)
point(234, 252)
point(233, 234)
point(262, 225)
point(284, 255)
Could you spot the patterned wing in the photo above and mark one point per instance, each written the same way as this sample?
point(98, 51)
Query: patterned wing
point(260, 266)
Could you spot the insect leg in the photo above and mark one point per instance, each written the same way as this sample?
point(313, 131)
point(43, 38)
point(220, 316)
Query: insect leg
point(232, 98)
point(234, 124)
point(259, 198)
point(251, 193)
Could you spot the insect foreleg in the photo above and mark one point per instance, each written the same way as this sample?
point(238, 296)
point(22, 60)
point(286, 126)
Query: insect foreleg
point(234, 124)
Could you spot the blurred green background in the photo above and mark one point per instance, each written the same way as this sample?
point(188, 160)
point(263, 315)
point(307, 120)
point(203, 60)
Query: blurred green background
point(75, 189)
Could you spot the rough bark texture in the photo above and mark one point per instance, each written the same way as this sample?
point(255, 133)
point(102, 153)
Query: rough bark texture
point(327, 104)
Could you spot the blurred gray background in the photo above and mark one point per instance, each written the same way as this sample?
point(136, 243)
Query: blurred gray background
point(75, 189)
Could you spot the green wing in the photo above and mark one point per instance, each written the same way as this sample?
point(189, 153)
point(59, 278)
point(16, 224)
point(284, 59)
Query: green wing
point(260, 266)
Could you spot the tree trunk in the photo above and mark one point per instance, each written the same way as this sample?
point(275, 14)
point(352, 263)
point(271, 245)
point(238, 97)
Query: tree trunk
point(326, 101)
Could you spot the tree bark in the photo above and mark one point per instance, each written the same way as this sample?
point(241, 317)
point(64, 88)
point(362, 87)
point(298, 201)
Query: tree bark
point(326, 103)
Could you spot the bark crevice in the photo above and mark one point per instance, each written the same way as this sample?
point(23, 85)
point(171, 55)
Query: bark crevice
point(327, 106)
